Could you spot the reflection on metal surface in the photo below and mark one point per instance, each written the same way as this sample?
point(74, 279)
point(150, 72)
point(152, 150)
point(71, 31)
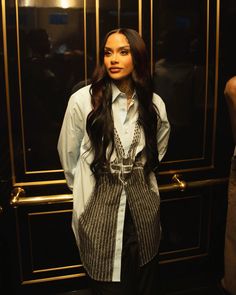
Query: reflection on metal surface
point(54, 21)
point(17, 194)
point(181, 183)
point(1, 210)
point(49, 54)
point(23, 201)
point(51, 3)
point(207, 182)
point(18, 197)
point(184, 76)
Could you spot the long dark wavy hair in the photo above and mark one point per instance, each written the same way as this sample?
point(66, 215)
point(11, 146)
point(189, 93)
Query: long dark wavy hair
point(100, 125)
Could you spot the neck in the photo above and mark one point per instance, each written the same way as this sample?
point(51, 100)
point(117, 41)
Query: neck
point(125, 85)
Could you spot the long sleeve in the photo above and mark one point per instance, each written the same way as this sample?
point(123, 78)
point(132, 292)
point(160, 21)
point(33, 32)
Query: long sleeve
point(230, 95)
point(70, 138)
point(164, 130)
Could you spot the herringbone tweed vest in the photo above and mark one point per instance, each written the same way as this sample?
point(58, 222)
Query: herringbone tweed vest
point(98, 222)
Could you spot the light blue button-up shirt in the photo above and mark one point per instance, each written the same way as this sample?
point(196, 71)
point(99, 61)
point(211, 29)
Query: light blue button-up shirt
point(73, 146)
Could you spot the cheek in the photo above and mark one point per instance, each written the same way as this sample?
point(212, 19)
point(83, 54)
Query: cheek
point(130, 66)
point(105, 61)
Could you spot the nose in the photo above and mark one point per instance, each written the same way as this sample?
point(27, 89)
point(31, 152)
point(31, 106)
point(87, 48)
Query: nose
point(114, 58)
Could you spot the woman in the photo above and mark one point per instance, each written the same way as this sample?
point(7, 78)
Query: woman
point(228, 281)
point(115, 132)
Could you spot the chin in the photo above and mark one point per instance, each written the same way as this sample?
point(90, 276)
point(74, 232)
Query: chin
point(119, 78)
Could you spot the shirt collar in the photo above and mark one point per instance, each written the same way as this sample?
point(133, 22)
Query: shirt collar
point(116, 92)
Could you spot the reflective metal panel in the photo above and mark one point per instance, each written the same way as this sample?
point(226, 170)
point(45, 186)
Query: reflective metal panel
point(52, 63)
point(52, 51)
point(181, 74)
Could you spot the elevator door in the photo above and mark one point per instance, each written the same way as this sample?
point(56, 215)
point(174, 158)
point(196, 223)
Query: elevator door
point(48, 50)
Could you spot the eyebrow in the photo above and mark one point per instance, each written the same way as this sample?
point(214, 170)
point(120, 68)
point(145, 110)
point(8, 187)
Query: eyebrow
point(122, 47)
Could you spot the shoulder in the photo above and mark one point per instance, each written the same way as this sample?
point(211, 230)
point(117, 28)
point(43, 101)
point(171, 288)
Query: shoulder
point(81, 94)
point(158, 101)
point(230, 88)
point(81, 99)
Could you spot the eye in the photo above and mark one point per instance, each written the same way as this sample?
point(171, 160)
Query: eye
point(107, 53)
point(124, 52)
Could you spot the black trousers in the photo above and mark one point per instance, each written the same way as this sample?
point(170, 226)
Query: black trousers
point(135, 280)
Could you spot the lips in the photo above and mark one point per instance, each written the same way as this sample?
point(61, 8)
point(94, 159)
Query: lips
point(115, 70)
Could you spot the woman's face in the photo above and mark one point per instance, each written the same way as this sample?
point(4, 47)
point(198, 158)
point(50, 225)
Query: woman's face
point(117, 57)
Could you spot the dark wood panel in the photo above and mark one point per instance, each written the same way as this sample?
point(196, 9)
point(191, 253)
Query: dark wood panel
point(46, 242)
point(185, 220)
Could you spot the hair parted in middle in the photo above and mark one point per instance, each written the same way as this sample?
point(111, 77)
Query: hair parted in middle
point(100, 125)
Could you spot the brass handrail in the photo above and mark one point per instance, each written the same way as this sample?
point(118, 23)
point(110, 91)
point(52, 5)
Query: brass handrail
point(18, 197)
point(177, 184)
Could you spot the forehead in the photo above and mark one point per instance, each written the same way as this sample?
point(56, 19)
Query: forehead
point(116, 40)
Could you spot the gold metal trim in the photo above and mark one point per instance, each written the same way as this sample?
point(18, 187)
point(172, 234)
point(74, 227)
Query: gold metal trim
point(180, 250)
point(20, 83)
point(49, 212)
point(85, 43)
point(8, 105)
point(64, 4)
point(177, 179)
point(97, 31)
point(182, 258)
point(19, 244)
point(192, 184)
point(187, 170)
point(151, 36)
point(43, 171)
point(216, 77)
point(37, 183)
point(206, 73)
point(18, 196)
point(177, 185)
point(140, 20)
point(185, 160)
point(57, 268)
point(207, 182)
point(119, 9)
point(21, 200)
point(29, 282)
